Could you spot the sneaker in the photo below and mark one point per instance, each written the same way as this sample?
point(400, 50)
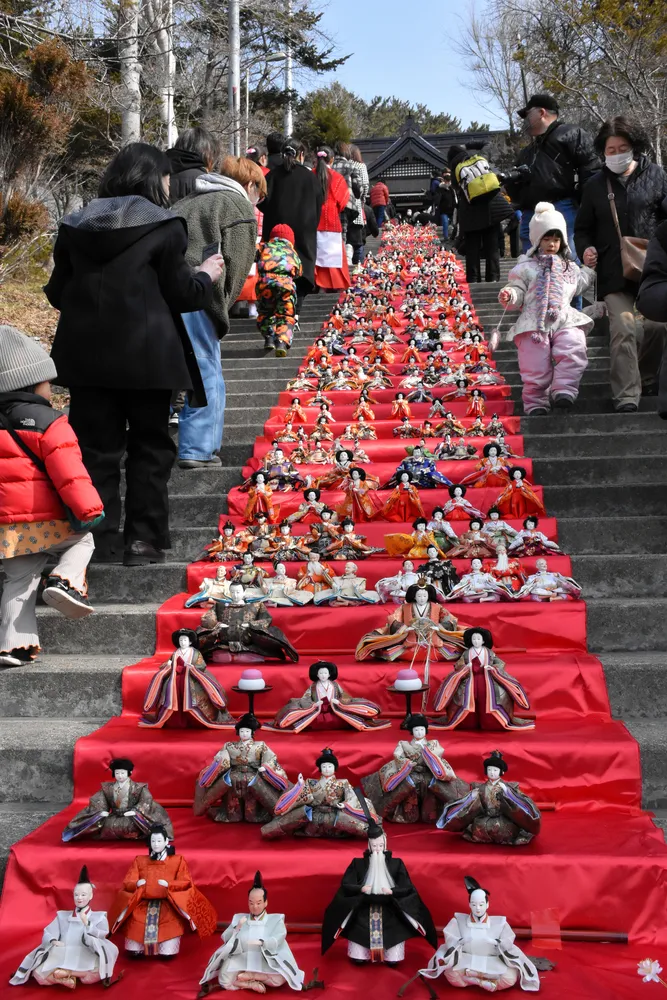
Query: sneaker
point(69, 602)
point(281, 351)
point(627, 408)
point(269, 343)
point(7, 660)
point(562, 402)
point(142, 554)
point(297, 328)
point(539, 411)
point(200, 463)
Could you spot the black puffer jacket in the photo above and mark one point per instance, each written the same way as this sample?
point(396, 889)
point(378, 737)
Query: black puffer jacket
point(641, 203)
point(561, 161)
point(652, 298)
point(484, 212)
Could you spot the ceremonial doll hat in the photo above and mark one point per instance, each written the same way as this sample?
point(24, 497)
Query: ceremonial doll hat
point(472, 885)
point(496, 759)
point(248, 721)
point(121, 764)
point(191, 634)
point(327, 757)
point(416, 719)
point(374, 828)
point(320, 665)
point(485, 634)
point(411, 593)
point(84, 877)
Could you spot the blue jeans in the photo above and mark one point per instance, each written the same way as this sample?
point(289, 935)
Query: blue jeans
point(379, 214)
point(569, 211)
point(200, 429)
point(444, 219)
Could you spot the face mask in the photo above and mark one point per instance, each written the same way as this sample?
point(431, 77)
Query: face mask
point(619, 162)
point(253, 194)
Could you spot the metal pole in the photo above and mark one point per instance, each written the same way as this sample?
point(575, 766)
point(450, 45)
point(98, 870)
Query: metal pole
point(234, 76)
point(288, 72)
point(171, 72)
point(247, 107)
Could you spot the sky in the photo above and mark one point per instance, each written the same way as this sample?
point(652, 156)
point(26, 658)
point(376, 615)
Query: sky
point(402, 48)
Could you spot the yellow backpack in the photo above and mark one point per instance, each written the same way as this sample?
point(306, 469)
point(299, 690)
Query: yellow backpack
point(485, 181)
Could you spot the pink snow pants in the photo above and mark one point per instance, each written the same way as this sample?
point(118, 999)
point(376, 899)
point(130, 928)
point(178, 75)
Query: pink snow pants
point(553, 368)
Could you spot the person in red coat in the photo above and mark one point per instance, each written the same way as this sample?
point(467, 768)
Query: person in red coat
point(47, 500)
point(379, 201)
point(331, 270)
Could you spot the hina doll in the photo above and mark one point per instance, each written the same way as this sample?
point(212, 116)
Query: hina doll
point(394, 588)
point(320, 807)
point(281, 473)
point(507, 572)
point(487, 377)
point(495, 426)
point(360, 455)
point(333, 479)
point(159, 901)
point(254, 953)
point(421, 625)
point(426, 430)
point(458, 508)
point(295, 413)
point(400, 407)
point(479, 587)
point(361, 502)
point(422, 471)
point(122, 809)
point(323, 533)
point(412, 785)
point(492, 470)
point(350, 545)
point(545, 585)
point(476, 403)
point(182, 693)
point(380, 351)
point(249, 576)
point(287, 547)
point(472, 543)
point(314, 577)
point(476, 429)
point(440, 573)
point(444, 534)
point(211, 588)
point(450, 425)
point(479, 693)
point(420, 394)
point(258, 538)
point(347, 590)
point(377, 908)
point(493, 812)
point(403, 503)
point(363, 407)
point(531, 542)
point(479, 950)
point(360, 429)
point(280, 590)
point(244, 780)
point(518, 499)
point(225, 548)
point(75, 946)
point(496, 530)
point(240, 630)
point(260, 498)
point(405, 429)
point(325, 705)
point(311, 507)
point(321, 431)
point(415, 545)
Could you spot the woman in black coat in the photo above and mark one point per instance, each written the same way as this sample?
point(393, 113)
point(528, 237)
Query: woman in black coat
point(479, 220)
point(639, 188)
point(652, 301)
point(294, 198)
point(121, 282)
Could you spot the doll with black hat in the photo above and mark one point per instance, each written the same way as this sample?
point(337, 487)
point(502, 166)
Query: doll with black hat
point(440, 573)
point(183, 694)
point(244, 780)
point(159, 901)
point(225, 548)
point(422, 471)
point(421, 627)
point(238, 631)
point(326, 806)
point(479, 950)
point(260, 498)
point(123, 809)
point(75, 948)
point(479, 693)
point(326, 705)
point(254, 953)
point(494, 811)
point(377, 907)
point(411, 787)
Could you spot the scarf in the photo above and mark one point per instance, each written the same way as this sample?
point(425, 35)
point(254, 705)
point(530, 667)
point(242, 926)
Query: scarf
point(549, 291)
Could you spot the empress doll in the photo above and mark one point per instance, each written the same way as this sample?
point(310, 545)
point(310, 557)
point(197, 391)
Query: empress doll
point(411, 787)
point(421, 625)
point(326, 705)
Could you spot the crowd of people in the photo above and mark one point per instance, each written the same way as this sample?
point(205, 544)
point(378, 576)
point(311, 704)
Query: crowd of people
point(146, 275)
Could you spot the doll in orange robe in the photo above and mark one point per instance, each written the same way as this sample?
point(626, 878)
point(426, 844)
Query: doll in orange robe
point(361, 503)
point(380, 352)
point(518, 499)
point(295, 413)
point(158, 902)
point(404, 503)
point(492, 470)
point(476, 404)
point(363, 408)
point(411, 353)
point(419, 626)
point(260, 500)
point(400, 407)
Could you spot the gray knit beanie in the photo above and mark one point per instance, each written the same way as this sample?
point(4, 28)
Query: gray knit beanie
point(23, 362)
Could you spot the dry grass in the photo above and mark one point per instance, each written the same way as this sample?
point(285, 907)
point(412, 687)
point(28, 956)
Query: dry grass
point(24, 305)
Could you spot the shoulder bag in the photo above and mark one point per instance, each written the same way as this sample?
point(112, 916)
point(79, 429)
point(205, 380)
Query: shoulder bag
point(633, 248)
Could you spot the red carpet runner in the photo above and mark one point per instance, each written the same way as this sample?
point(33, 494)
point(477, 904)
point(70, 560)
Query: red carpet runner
point(599, 861)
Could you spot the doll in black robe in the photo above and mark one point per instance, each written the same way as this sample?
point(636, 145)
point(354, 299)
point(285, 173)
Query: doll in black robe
point(377, 908)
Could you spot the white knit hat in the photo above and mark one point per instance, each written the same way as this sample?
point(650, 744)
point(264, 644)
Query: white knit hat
point(545, 219)
point(23, 361)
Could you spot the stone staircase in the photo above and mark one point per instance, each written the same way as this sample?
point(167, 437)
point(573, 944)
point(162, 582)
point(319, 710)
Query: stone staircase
point(604, 476)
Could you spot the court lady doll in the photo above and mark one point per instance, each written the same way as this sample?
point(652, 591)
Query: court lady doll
point(326, 705)
point(494, 811)
point(531, 542)
point(490, 471)
point(260, 499)
point(295, 413)
point(476, 403)
point(472, 543)
point(458, 508)
point(400, 407)
point(415, 545)
point(361, 502)
point(518, 499)
point(404, 503)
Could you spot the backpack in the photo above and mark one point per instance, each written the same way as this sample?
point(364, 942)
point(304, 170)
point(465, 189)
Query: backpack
point(475, 177)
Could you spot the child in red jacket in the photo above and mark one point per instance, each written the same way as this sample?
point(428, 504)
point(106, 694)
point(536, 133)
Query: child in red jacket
point(47, 501)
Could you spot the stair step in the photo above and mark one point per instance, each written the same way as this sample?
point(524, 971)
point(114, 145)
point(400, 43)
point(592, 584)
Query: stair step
point(73, 687)
point(36, 759)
